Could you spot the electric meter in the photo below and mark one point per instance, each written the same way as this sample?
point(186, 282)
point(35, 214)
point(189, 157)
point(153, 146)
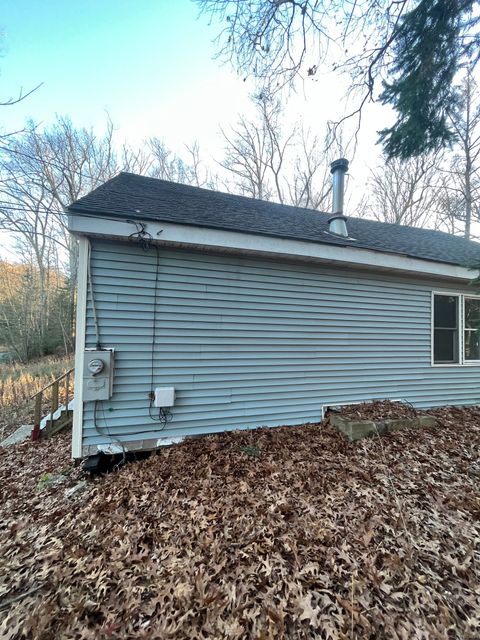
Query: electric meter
point(97, 374)
point(96, 366)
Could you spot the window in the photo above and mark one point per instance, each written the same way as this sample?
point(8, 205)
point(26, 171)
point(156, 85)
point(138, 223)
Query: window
point(471, 328)
point(445, 329)
point(456, 329)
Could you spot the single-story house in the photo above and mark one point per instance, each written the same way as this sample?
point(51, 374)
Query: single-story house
point(201, 311)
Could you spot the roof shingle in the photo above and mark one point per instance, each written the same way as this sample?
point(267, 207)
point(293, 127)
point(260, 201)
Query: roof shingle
point(137, 197)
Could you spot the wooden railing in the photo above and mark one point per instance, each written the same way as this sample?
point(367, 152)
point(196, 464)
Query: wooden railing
point(57, 393)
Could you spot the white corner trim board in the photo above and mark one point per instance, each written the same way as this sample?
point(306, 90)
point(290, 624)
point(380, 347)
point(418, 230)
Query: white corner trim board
point(216, 239)
point(83, 258)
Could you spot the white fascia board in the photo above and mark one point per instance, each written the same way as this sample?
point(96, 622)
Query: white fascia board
point(80, 325)
point(179, 235)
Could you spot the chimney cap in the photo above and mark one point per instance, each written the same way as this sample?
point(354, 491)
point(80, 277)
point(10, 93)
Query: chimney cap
point(339, 165)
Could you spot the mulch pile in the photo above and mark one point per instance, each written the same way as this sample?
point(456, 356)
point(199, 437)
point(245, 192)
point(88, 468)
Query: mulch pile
point(267, 534)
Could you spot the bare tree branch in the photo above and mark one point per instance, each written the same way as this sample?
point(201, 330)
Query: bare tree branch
point(270, 163)
point(406, 193)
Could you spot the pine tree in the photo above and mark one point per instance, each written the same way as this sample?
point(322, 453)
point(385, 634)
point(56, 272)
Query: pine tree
point(430, 46)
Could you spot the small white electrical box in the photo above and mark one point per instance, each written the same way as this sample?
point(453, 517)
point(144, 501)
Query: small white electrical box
point(164, 397)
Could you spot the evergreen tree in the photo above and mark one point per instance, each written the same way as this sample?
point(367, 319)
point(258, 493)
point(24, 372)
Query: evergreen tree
point(431, 43)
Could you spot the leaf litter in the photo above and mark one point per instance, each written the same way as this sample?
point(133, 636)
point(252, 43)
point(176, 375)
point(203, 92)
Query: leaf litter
point(379, 410)
point(274, 533)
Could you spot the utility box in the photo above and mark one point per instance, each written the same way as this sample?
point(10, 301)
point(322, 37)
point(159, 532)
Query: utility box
point(97, 374)
point(164, 397)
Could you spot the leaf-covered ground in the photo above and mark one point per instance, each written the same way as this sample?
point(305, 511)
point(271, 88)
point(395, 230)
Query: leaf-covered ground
point(276, 533)
point(379, 410)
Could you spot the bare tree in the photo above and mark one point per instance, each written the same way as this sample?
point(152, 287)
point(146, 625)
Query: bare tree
point(41, 173)
point(451, 207)
point(438, 190)
point(405, 192)
point(310, 182)
point(16, 330)
point(462, 180)
point(278, 40)
point(167, 165)
point(138, 161)
point(23, 329)
point(269, 162)
point(56, 166)
point(249, 153)
point(410, 48)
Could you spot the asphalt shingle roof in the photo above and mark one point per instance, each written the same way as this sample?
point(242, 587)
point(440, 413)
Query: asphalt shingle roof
point(129, 196)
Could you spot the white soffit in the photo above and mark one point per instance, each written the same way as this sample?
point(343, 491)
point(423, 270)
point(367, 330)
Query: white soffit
point(202, 238)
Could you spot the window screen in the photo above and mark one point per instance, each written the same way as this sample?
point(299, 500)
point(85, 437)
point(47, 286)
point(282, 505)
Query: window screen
point(445, 329)
point(472, 328)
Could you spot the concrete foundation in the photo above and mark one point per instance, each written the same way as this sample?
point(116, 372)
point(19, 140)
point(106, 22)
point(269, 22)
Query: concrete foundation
point(358, 429)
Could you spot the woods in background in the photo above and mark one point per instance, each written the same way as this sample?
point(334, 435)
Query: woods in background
point(23, 330)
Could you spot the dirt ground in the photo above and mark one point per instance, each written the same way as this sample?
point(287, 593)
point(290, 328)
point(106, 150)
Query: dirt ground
point(266, 534)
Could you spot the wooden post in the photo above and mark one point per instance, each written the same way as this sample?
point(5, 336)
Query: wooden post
point(55, 386)
point(37, 416)
point(67, 391)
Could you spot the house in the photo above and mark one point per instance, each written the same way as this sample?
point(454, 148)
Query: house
point(200, 311)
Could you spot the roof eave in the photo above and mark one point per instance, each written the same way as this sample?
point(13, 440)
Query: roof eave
point(226, 241)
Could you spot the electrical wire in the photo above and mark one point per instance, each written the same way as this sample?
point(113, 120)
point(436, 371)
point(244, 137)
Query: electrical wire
point(121, 462)
point(144, 239)
point(163, 415)
point(108, 434)
point(141, 235)
point(94, 310)
point(154, 321)
point(43, 161)
point(99, 347)
point(7, 206)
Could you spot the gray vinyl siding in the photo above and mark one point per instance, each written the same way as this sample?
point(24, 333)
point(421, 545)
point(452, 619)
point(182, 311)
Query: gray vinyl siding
point(251, 342)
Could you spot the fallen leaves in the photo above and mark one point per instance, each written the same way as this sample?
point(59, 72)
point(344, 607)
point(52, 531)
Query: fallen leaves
point(277, 533)
point(379, 410)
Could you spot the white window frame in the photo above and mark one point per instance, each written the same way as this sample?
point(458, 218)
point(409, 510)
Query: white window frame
point(467, 363)
point(461, 330)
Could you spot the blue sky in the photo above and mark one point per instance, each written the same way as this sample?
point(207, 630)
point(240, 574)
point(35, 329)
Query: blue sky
point(147, 63)
point(151, 65)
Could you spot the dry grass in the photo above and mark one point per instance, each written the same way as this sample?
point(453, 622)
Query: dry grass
point(18, 382)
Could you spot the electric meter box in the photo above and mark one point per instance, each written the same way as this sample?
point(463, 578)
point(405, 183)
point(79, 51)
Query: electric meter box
point(97, 374)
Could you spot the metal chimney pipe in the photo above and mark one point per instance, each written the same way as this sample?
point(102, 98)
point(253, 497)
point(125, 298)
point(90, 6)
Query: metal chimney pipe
point(337, 223)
